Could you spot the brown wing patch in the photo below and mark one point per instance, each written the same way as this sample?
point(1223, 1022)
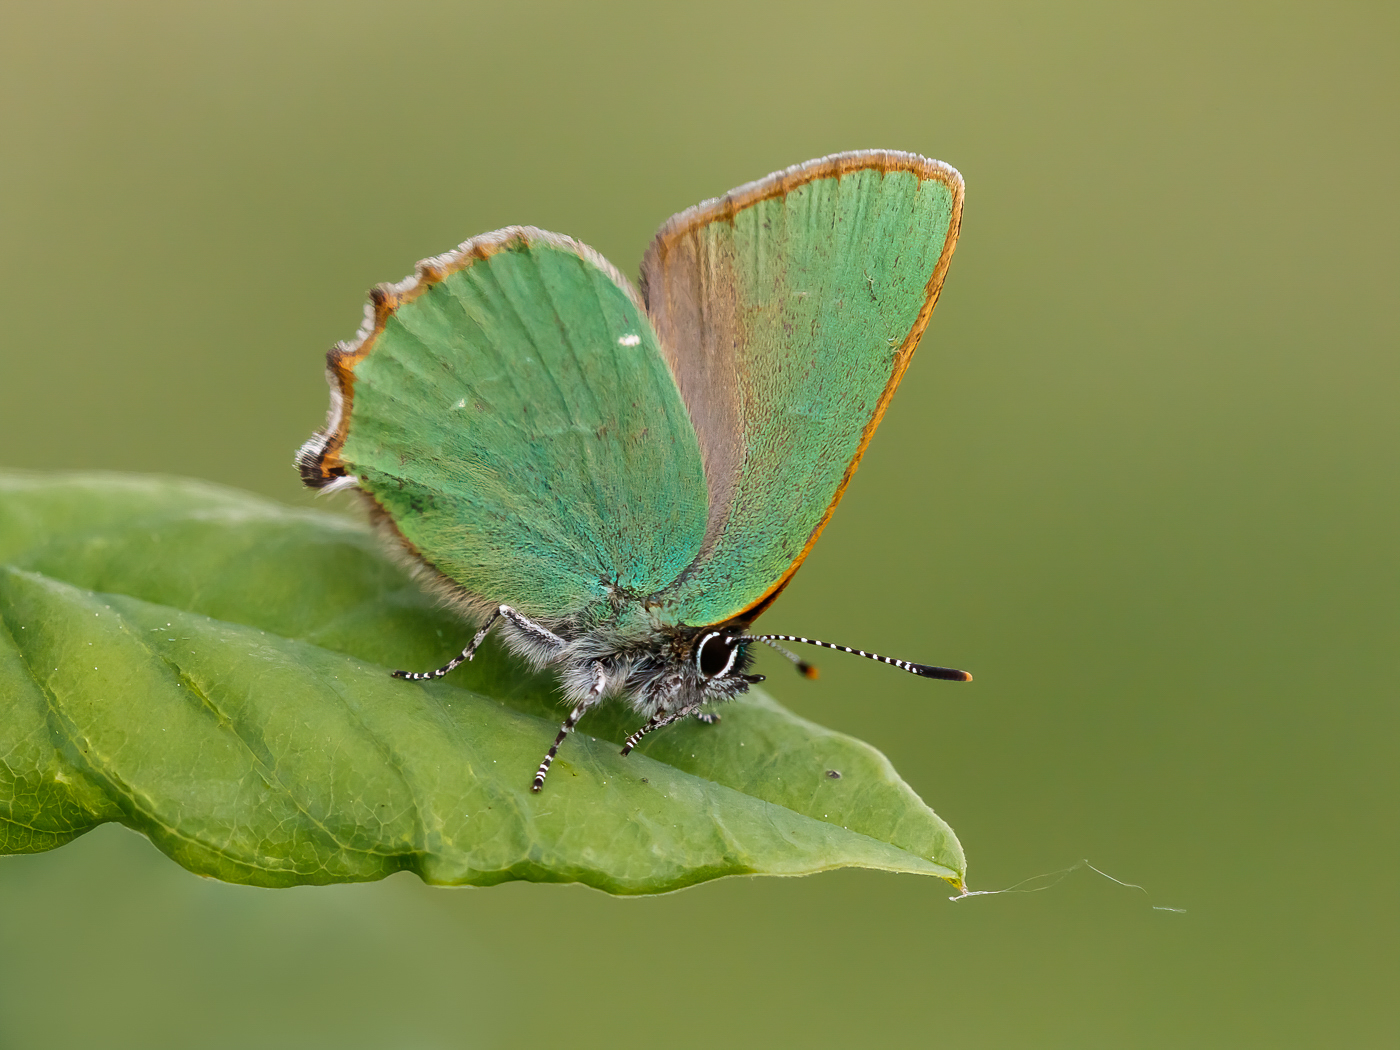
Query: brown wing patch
point(712, 397)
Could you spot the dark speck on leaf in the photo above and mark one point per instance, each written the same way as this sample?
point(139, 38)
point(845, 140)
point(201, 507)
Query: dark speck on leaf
point(833, 774)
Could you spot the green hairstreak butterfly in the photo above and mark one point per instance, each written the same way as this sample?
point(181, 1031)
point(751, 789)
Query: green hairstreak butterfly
point(624, 478)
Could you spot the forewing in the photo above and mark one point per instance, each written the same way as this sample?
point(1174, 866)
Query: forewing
point(788, 311)
point(509, 410)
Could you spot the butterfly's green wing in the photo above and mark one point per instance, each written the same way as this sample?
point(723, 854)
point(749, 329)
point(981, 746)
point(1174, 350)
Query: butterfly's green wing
point(511, 414)
point(511, 411)
point(788, 310)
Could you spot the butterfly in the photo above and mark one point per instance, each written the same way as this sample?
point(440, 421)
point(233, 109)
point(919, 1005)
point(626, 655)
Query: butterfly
point(622, 479)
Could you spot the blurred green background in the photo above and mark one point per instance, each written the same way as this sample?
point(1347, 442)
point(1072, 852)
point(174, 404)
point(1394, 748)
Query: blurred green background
point(1140, 480)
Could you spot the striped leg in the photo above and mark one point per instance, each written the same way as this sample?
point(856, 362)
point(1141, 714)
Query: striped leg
point(564, 731)
point(458, 660)
point(657, 721)
point(567, 728)
point(710, 718)
point(542, 635)
point(654, 722)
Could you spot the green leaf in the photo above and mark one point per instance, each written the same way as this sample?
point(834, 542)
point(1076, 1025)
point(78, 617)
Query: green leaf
point(211, 669)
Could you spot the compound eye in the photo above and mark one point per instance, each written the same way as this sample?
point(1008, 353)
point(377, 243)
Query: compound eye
point(715, 655)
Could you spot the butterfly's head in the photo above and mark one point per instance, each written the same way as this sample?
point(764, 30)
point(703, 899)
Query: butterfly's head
point(694, 666)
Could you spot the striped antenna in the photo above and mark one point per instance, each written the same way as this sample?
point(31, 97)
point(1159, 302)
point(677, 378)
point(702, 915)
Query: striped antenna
point(923, 670)
point(803, 667)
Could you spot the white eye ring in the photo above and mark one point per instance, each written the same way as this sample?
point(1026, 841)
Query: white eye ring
point(733, 654)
